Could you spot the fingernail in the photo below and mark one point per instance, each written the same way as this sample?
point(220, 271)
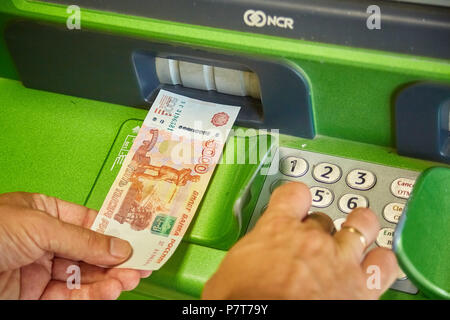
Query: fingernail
point(145, 273)
point(119, 248)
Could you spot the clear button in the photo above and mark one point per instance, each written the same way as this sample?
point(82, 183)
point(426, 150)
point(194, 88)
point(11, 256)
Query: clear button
point(393, 211)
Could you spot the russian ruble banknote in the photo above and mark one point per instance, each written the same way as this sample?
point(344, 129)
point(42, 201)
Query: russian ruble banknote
point(164, 177)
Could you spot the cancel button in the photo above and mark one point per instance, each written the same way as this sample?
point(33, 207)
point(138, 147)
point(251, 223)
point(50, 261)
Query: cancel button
point(402, 187)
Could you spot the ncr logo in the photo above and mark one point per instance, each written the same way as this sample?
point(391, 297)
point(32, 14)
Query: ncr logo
point(257, 18)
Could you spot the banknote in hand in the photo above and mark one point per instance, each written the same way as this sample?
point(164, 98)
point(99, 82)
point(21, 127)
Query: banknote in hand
point(164, 177)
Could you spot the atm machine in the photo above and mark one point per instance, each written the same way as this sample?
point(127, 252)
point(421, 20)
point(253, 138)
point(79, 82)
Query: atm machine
point(358, 90)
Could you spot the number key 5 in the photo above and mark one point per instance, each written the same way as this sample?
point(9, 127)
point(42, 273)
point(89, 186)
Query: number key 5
point(321, 197)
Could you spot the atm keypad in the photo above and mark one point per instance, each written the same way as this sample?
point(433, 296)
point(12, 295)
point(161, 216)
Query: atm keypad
point(338, 185)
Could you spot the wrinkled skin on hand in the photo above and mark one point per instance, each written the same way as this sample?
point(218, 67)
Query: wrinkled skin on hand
point(41, 236)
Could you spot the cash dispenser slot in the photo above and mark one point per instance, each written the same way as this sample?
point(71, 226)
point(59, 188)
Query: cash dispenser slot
point(208, 77)
point(210, 80)
point(272, 93)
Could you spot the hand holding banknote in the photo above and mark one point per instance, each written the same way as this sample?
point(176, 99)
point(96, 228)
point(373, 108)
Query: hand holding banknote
point(41, 237)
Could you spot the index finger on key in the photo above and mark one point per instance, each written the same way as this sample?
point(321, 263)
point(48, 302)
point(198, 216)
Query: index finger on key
point(292, 199)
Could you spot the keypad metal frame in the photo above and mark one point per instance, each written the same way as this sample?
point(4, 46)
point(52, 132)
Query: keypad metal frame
point(378, 196)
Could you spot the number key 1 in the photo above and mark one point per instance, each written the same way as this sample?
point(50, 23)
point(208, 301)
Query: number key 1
point(293, 166)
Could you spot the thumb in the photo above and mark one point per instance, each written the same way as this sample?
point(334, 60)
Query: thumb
point(77, 243)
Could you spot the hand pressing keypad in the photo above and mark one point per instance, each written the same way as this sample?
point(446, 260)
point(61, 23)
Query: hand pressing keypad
point(339, 185)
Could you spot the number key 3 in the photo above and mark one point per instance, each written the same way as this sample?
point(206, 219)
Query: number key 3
point(361, 179)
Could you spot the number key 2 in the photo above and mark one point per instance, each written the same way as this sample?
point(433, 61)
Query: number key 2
point(327, 172)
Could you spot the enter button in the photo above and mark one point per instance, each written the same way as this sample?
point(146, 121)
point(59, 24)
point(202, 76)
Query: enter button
point(393, 211)
point(402, 187)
